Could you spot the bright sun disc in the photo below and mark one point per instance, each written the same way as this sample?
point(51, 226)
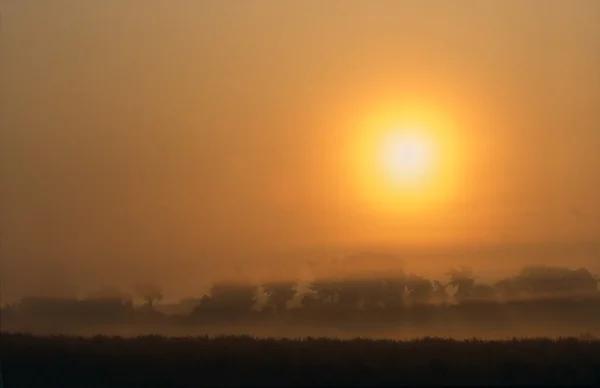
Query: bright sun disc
point(406, 158)
point(405, 161)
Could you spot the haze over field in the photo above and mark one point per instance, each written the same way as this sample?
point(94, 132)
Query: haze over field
point(181, 142)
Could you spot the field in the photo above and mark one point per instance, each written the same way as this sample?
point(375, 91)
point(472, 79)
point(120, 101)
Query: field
point(317, 342)
point(103, 361)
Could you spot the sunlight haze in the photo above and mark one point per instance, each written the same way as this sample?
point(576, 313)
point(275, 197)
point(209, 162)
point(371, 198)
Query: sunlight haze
point(181, 141)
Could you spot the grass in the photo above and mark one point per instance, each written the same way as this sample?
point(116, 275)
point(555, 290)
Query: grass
point(68, 361)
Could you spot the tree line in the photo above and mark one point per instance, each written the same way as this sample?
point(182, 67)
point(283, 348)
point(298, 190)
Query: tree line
point(398, 289)
point(387, 292)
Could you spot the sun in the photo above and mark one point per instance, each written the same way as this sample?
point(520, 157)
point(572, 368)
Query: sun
point(406, 158)
point(405, 164)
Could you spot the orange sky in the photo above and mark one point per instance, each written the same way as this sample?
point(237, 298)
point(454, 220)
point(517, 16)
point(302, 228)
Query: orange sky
point(162, 141)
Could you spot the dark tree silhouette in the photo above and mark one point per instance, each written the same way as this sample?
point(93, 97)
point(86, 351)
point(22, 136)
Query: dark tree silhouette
point(150, 294)
point(309, 301)
point(205, 303)
point(227, 300)
point(541, 279)
point(325, 291)
point(343, 298)
point(187, 305)
point(508, 288)
point(234, 296)
point(350, 294)
point(279, 294)
point(463, 279)
point(419, 289)
point(395, 285)
point(109, 293)
point(584, 281)
point(482, 292)
point(373, 293)
point(439, 293)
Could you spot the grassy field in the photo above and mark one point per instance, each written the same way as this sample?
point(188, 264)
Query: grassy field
point(102, 361)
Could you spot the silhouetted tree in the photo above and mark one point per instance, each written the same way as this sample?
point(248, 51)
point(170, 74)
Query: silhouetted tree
point(187, 305)
point(463, 279)
point(394, 286)
point(49, 309)
point(439, 293)
point(508, 288)
point(585, 281)
point(205, 303)
point(325, 291)
point(109, 293)
point(227, 300)
point(234, 296)
point(482, 292)
point(150, 293)
point(373, 293)
point(543, 279)
point(309, 301)
point(279, 294)
point(350, 293)
point(419, 289)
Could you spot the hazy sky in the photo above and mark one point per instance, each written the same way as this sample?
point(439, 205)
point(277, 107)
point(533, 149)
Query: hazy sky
point(165, 140)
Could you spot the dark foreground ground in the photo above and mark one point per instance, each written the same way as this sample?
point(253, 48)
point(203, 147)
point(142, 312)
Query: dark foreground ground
point(152, 361)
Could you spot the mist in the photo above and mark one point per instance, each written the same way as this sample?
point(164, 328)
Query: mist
point(181, 143)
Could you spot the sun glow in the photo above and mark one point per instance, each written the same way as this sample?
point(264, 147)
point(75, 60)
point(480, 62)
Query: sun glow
point(406, 162)
point(406, 158)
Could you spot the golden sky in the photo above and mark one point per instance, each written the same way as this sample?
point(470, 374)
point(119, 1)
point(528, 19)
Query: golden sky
point(155, 137)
